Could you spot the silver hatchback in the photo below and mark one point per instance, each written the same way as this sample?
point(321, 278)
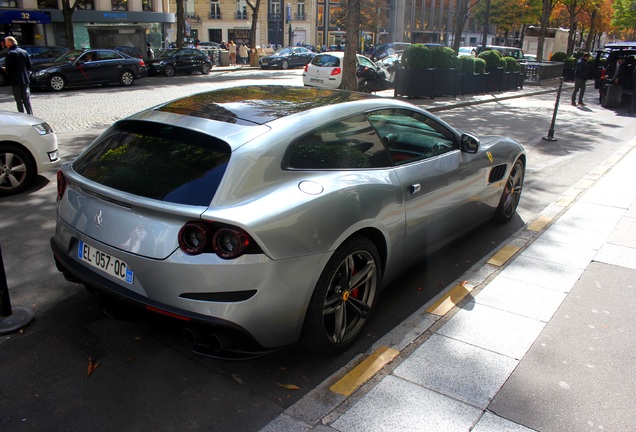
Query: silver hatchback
point(268, 215)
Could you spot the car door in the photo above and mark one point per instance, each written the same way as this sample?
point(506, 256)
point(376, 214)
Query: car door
point(185, 61)
point(442, 186)
point(300, 57)
point(84, 70)
point(109, 64)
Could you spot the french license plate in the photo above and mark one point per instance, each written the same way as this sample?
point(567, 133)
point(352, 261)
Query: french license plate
point(316, 80)
point(104, 262)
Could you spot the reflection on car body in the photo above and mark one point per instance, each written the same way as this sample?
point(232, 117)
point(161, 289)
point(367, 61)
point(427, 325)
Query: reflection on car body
point(274, 214)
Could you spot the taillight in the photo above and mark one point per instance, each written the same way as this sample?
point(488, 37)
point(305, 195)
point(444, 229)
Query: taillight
point(306, 66)
point(194, 237)
point(230, 243)
point(336, 71)
point(141, 63)
point(227, 242)
point(61, 184)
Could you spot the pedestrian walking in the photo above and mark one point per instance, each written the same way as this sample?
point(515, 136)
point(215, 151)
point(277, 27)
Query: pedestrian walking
point(580, 77)
point(243, 53)
point(232, 50)
point(150, 54)
point(18, 65)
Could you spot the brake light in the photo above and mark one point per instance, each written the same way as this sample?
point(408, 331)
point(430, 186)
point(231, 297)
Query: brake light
point(206, 237)
point(61, 184)
point(141, 63)
point(306, 66)
point(336, 71)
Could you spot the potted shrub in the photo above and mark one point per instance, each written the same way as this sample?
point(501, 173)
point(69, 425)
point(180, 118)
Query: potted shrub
point(568, 68)
point(414, 77)
point(481, 75)
point(467, 74)
point(445, 73)
point(494, 68)
point(512, 67)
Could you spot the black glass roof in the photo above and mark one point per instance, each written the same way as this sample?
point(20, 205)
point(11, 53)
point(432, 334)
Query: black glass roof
point(256, 105)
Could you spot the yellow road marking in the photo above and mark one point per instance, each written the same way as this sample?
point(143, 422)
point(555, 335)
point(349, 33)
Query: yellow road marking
point(447, 302)
point(539, 224)
point(504, 254)
point(364, 371)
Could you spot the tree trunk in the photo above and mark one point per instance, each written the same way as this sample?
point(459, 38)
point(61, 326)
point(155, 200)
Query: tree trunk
point(254, 8)
point(460, 21)
point(590, 35)
point(546, 9)
point(180, 23)
point(349, 75)
point(67, 13)
point(484, 38)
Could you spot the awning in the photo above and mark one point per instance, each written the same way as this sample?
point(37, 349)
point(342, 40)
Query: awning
point(24, 17)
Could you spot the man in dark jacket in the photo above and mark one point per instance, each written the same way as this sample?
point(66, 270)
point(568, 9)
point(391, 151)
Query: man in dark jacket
point(18, 65)
point(580, 76)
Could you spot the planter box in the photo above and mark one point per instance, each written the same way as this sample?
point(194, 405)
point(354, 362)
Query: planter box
point(495, 79)
point(568, 74)
point(469, 83)
point(482, 82)
point(446, 82)
point(520, 77)
point(414, 83)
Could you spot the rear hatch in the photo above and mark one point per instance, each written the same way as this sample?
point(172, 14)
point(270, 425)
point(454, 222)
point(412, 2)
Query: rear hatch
point(140, 182)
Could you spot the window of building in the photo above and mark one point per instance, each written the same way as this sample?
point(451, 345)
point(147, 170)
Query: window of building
point(47, 4)
point(146, 5)
point(8, 3)
point(241, 10)
point(215, 9)
point(89, 5)
point(300, 10)
point(118, 5)
point(274, 8)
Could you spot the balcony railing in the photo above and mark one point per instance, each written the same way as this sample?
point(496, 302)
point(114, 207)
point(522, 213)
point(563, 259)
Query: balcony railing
point(216, 15)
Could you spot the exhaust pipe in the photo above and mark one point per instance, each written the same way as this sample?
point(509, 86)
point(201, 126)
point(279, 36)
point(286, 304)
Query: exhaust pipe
point(218, 343)
point(190, 337)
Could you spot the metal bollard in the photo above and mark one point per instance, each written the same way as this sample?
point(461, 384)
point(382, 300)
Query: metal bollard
point(550, 136)
point(11, 319)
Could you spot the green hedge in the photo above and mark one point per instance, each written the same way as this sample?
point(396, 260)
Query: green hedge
point(480, 65)
point(492, 59)
point(467, 64)
point(558, 56)
point(512, 65)
point(417, 56)
point(443, 58)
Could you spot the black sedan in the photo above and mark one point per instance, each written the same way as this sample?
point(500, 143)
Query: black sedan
point(89, 67)
point(37, 53)
point(285, 58)
point(184, 60)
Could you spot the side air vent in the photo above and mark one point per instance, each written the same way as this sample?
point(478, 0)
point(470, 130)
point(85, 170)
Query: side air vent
point(497, 173)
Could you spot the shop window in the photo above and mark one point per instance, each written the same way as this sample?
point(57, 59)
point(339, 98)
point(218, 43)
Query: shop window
point(86, 4)
point(47, 4)
point(119, 5)
point(146, 5)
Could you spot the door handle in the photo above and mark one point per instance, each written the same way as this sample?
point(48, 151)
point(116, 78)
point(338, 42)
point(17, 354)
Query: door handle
point(413, 189)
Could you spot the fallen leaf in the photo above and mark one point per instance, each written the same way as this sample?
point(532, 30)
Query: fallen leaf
point(464, 283)
point(420, 289)
point(92, 365)
point(238, 379)
point(289, 386)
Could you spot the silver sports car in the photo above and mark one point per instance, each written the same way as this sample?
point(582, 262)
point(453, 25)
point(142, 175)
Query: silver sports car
point(265, 215)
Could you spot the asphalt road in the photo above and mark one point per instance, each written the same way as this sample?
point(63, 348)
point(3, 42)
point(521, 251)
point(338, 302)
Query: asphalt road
point(147, 378)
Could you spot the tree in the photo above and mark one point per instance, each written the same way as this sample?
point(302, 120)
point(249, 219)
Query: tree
point(254, 8)
point(180, 23)
point(370, 18)
point(460, 21)
point(624, 20)
point(68, 10)
point(546, 11)
point(349, 74)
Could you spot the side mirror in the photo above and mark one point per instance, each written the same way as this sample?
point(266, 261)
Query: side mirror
point(469, 143)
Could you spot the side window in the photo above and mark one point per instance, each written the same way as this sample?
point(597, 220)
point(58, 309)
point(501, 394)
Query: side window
point(108, 55)
point(411, 136)
point(346, 144)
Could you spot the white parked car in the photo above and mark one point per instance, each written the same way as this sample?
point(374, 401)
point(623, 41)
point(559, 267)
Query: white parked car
point(28, 146)
point(325, 70)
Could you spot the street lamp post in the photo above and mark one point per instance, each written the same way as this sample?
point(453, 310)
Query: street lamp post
point(289, 20)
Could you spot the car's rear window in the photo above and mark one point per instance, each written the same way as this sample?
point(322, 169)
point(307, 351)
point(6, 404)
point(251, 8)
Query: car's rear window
point(157, 161)
point(326, 60)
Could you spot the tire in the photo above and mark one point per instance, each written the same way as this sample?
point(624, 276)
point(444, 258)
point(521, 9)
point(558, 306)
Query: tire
point(363, 86)
point(17, 170)
point(511, 194)
point(205, 69)
point(344, 297)
point(127, 78)
point(168, 70)
point(284, 64)
point(56, 82)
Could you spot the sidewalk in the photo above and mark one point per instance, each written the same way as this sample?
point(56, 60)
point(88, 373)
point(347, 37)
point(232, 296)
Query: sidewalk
point(540, 336)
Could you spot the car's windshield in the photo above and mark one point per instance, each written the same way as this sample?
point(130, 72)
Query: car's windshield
point(69, 56)
point(169, 53)
point(283, 51)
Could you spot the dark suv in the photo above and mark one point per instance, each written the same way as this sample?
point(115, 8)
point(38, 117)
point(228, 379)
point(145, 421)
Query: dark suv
point(606, 59)
point(37, 53)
